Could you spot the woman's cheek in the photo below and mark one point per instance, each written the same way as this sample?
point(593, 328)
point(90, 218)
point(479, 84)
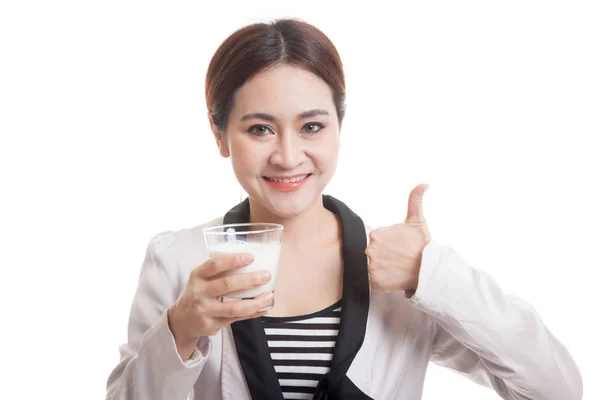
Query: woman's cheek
point(247, 159)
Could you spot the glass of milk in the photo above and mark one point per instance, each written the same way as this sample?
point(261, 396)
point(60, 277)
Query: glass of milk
point(262, 240)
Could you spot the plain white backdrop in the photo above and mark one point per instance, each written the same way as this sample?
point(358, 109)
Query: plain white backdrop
point(105, 143)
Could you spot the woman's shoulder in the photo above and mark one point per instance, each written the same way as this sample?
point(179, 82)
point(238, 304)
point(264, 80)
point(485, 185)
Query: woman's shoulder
point(193, 235)
point(184, 247)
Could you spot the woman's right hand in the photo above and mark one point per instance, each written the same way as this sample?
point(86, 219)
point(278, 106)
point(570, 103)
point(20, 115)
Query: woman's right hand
point(198, 311)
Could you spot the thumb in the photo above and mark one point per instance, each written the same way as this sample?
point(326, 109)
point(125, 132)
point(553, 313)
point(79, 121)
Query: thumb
point(415, 204)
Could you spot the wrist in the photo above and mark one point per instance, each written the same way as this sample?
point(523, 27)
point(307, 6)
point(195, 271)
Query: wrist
point(411, 287)
point(186, 344)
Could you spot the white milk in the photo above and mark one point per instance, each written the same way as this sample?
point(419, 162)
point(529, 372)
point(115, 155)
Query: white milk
point(266, 257)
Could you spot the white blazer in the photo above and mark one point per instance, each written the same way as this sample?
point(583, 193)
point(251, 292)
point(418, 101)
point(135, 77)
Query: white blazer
point(458, 318)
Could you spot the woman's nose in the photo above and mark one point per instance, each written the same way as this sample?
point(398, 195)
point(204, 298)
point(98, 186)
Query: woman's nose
point(289, 152)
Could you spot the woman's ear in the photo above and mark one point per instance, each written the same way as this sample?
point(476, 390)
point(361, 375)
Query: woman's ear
point(222, 144)
point(220, 138)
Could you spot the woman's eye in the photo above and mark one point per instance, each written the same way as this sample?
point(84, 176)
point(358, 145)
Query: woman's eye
point(313, 127)
point(262, 130)
point(259, 130)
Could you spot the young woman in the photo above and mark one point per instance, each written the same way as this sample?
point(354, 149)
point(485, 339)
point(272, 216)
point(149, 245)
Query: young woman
point(359, 313)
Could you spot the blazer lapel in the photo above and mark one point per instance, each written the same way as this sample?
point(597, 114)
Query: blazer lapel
point(355, 306)
point(250, 339)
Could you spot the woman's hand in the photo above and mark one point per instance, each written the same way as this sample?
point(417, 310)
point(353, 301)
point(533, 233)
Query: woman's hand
point(198, 311)
point(395, 251)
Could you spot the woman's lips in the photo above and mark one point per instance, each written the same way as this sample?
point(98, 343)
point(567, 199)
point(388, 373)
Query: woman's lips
point(287, 184)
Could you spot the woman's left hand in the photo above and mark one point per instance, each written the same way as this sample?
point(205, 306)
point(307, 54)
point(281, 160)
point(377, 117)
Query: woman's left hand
point(395, 251)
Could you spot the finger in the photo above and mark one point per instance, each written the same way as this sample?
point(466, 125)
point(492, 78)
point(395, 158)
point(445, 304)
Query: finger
point(223, 263)
point(229, 321)
point(236, 282)
point(415, 205)
point(244, 309)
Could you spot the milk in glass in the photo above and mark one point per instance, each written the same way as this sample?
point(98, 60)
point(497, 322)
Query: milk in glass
point(266, 257)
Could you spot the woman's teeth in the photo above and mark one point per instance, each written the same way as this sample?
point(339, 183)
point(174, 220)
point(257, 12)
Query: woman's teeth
point(288, 180)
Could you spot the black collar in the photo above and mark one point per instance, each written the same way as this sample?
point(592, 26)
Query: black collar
point(249, 335)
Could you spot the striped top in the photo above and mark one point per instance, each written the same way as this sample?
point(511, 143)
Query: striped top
point(302, 348)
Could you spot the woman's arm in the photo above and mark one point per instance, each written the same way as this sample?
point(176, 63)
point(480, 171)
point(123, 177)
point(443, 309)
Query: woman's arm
point(494, 339)
point(150, 366)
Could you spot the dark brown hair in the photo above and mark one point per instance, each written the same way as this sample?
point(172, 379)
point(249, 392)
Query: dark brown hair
point(257, 47)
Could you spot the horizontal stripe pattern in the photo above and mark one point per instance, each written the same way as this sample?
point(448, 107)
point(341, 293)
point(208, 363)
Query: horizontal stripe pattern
point(302, 349)
point(300, 356)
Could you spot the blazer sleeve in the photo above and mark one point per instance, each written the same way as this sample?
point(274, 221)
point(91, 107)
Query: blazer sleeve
point(494, 339)
point(150, 367)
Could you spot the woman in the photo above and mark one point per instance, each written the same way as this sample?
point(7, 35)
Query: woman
point(378, 304)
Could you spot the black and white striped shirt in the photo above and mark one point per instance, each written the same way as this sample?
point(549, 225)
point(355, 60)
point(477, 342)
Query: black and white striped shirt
point(302, 348)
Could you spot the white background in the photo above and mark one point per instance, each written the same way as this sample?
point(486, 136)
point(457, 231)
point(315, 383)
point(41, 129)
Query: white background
point(105, 143)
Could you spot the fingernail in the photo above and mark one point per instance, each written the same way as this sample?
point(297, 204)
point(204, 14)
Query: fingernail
point(265, 276)
point(247, 258)
point(269, 298)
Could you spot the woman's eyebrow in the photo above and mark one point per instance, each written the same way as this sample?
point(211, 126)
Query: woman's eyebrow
point(312, 113)
point(303, 115)
point(258, 116)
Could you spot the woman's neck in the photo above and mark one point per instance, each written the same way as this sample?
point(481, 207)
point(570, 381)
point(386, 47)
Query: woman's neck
point(313, 226)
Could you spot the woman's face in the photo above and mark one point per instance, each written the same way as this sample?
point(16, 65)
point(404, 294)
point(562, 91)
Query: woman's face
point(283, 139)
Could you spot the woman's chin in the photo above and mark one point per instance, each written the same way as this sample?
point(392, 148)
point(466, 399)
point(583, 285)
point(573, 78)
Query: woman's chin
point(289, 206)
point(289, 209)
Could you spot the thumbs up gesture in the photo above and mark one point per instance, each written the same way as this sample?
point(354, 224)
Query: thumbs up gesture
point(395, 251)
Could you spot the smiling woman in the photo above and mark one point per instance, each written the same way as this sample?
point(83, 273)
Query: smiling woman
point(275, 97)
point(360, 312)
point(282, 125)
